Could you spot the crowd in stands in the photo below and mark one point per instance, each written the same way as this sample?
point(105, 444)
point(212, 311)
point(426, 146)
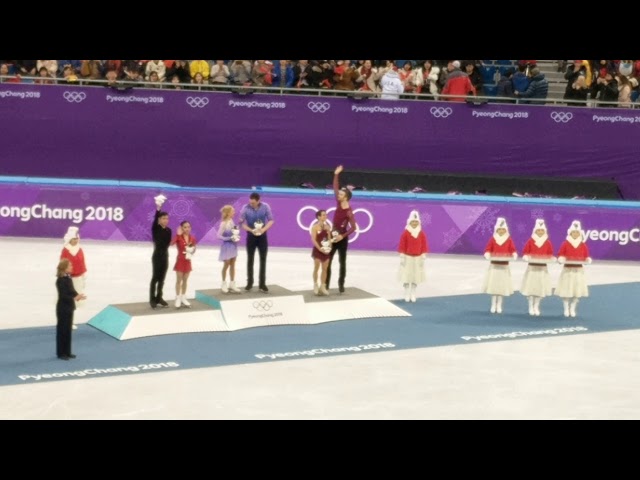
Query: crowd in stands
point(609, 82)
point(453, 80)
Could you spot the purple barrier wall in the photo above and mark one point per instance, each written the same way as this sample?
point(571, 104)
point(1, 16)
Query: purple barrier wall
point(222, 139)
point(111, 213)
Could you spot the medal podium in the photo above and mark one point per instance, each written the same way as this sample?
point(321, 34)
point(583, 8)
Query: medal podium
point(214, 311)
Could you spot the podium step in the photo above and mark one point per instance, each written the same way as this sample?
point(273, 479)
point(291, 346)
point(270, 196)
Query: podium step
point(214, 311)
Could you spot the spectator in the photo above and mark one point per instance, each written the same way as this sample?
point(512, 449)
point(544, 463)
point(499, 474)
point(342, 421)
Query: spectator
point(475, 77)
point(4, 72)
point(69, 75)
point(571, 76)
point(240, 71)
point(579, 92)
point(536, 93)
point(366, 77)
point(26, 68)
point(181, 69)
point(391, 85)
point(458, 83)
point(91, 69)
point(520, 79)
point(197, 81)
point(426, 78)
point(301, 72)
point(154, 80)
point(606, 90)
point(505, 86)
point(75, 64)
point(624, 91)
point(261, 74)
point(50, 65)
point(345, 76)
point(44, 78)
point(219, 74)
point(407, 77)
point(175, 82)
point(157, 66)
point(201, 67)
point(282, 74)
point(115, 65)
point(112, 78)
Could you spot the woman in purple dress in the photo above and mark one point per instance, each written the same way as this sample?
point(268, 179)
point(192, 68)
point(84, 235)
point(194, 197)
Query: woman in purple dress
point(320, 235)
point(229, 233)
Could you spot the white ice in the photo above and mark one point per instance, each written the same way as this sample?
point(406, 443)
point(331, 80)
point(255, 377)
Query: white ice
point(588, 376)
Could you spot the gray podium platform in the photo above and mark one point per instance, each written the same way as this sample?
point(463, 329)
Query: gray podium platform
point(135, 320)
point(214, 311)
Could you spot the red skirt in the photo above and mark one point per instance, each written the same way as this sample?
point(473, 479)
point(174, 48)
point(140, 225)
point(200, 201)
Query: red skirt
point(323, 257)
point(182, 264)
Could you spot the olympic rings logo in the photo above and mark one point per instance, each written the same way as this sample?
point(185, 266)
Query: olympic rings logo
point(263, 305)
point(318, 107)
point(74, 97)
point(441, 112)
point(355, 235)
point(561, 117)
point(197, 102)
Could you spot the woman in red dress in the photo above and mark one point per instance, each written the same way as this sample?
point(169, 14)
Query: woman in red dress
point(320, 235)
point(499, 250)
point(186, 244)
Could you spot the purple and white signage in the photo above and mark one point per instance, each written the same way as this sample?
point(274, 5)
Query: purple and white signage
point(220, 139)
point(126, 213)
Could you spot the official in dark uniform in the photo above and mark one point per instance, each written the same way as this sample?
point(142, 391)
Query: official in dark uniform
point(67, 297)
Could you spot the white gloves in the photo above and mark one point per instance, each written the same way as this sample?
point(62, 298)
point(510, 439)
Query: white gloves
point(487, 255)
point(159, 199)
point(514, 255)
point(525, 258)
point(403, 259)
point(589, 260)
point(562, 259)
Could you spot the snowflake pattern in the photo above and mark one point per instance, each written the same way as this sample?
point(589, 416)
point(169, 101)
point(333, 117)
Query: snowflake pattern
point(181, 208)
point(104, 233)
point(486, 222)
point(425, 218)
point(139, 231)
point(85, 195)
point(557, 217)
point(537, 213)
point(474, 212)
point(521, 227)
point(451, 238)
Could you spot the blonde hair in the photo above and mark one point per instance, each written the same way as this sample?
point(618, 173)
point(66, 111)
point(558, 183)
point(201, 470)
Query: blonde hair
point(227, 212)
point(62, 267)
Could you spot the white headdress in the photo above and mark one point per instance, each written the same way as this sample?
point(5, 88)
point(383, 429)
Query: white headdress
point(72, 232)
point(414, 216)
point(500, 223)
point(539, 241)
point(576, 226)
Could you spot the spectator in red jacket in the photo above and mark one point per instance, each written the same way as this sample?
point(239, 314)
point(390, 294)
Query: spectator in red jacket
point(458, 83)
